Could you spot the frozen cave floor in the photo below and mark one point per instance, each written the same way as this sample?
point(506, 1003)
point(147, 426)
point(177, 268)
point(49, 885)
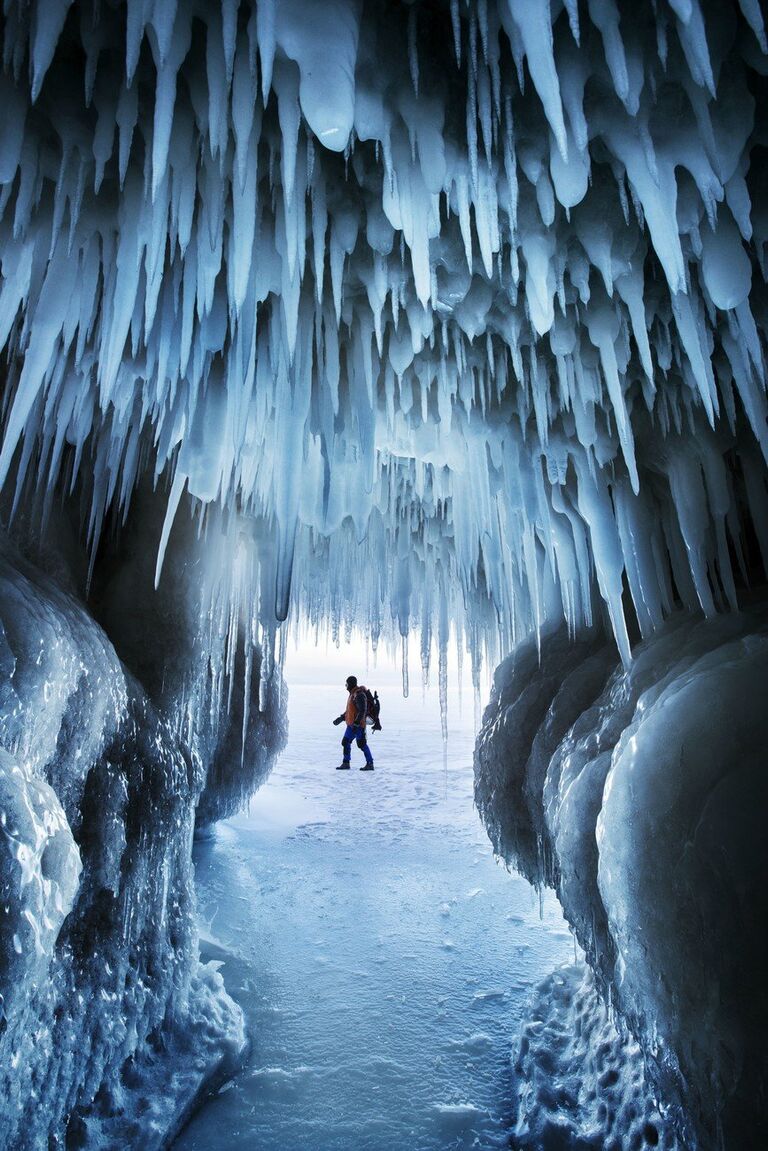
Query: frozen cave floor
point(384, 961)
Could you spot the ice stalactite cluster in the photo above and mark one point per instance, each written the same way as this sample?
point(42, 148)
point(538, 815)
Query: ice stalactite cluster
point(476, 286)
point(640, 795)
point(109, 1026)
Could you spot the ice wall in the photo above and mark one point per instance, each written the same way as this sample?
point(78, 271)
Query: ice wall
point(109, 1026)
point(640, 795)
point(477, 286)
point(195, 643)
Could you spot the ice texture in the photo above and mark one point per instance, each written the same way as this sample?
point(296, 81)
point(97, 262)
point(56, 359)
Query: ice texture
point(480, 286)
point(109, 1027)
point(40, 871)
point(582, 1081)
point(639, 794)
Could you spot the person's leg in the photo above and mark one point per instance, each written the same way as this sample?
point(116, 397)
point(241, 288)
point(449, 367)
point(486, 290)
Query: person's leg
point(362, 743)
point(346, 743)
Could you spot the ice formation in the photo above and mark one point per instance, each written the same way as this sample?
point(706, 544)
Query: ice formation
point(102, 1001)
point(599, 1099)
point(477, 287)
point(195, 645)
point(640, 795)
point(443, 317)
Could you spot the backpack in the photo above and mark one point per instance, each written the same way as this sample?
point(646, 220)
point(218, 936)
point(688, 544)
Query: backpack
point(373, 707)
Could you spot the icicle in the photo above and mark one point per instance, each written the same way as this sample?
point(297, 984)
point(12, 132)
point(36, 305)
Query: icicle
point(48, 28)
point(533, 22)
point(512, 317)
point(413, 50)
point(174, 499)
point(456, 24)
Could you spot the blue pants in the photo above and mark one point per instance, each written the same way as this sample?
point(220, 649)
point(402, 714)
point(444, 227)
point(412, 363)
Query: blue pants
point(355, 733)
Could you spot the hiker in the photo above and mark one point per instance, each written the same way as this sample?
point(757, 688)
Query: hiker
point(355, 717)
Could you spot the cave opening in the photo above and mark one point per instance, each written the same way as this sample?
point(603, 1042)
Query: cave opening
point(366, 929)
point(440, 322)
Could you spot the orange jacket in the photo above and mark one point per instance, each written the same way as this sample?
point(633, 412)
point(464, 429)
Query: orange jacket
point(357, 708)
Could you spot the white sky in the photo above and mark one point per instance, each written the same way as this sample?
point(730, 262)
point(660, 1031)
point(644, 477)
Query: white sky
point(316, 668)
point(307, 662)
point(327, 665)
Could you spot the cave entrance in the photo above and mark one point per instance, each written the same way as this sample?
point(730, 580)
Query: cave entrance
point(381, 956)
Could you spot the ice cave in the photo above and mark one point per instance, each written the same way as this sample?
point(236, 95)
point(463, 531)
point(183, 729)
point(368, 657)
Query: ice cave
point(436, 327)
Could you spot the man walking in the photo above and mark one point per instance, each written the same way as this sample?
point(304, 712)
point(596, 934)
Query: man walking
point(355, 716)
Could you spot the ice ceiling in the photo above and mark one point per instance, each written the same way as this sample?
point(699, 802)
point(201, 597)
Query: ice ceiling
point(456, 310)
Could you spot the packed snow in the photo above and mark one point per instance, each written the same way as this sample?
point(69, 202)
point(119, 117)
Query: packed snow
point(582, 1080)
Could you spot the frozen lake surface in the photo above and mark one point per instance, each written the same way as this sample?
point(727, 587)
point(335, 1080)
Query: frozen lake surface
point(381, 955)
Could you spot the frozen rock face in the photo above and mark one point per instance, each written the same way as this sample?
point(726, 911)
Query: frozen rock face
point(244, 738)
point(103, 997)
point(483, 291)
point(640, 795)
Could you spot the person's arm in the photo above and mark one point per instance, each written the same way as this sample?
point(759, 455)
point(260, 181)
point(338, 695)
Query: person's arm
point(339, 719)
point(360, 709)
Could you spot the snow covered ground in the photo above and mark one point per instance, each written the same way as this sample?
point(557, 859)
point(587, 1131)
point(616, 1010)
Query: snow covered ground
point(382, 957)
